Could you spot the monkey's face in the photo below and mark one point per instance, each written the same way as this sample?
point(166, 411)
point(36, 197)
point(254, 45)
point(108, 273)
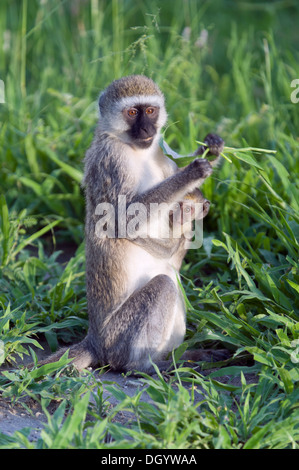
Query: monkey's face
point(142, 124)
point(133, 110)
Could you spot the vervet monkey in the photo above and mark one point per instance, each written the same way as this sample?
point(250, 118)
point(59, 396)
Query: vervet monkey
point(136, 310)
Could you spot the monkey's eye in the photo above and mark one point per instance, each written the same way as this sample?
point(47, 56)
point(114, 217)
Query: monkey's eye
point(150, 110)
point(132, 112)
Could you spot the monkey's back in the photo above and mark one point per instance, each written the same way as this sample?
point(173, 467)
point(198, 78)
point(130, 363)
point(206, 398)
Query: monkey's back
point(105, 275)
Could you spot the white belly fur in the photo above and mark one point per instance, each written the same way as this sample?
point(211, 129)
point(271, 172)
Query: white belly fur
point(145, 268)
point(146, 172)
point(139, 274)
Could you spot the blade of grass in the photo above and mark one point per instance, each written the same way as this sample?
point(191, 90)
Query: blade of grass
point(34, 236)
point(4, 228)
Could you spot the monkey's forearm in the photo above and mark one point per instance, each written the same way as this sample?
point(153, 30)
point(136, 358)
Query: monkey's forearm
point(159, 248)
point(170, 191)
point(174, 188)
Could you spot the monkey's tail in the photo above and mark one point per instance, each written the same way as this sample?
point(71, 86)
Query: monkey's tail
point(80, 353)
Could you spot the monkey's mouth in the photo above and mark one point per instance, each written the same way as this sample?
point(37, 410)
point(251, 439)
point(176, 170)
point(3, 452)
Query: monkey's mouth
point(144, 143)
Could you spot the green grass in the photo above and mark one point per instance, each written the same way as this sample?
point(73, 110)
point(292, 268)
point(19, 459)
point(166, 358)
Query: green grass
point(241, 287)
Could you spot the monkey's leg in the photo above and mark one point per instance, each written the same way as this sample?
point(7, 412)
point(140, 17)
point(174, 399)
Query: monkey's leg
point(149, 324)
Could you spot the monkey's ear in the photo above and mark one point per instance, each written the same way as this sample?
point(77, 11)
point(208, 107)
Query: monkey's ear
point(101, 101)
point(205, 208)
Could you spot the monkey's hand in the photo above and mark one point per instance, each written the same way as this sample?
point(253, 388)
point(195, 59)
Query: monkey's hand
point(214, 143)
point(199, 169)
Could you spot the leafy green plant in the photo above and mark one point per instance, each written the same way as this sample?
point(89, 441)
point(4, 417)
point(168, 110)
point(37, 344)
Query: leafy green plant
point(36, 291)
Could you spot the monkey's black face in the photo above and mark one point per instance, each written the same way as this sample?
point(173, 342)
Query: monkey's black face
point(142, 120)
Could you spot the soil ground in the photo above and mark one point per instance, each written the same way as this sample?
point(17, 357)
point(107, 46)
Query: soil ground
point(14, 417)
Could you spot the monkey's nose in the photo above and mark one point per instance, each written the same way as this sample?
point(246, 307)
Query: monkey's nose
point(147, 131)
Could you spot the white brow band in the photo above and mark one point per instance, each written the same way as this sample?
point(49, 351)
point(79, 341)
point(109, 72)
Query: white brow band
point(131, 101)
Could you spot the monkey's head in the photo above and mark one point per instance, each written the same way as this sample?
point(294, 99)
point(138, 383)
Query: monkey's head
point(133, 110)
point(194, 207)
